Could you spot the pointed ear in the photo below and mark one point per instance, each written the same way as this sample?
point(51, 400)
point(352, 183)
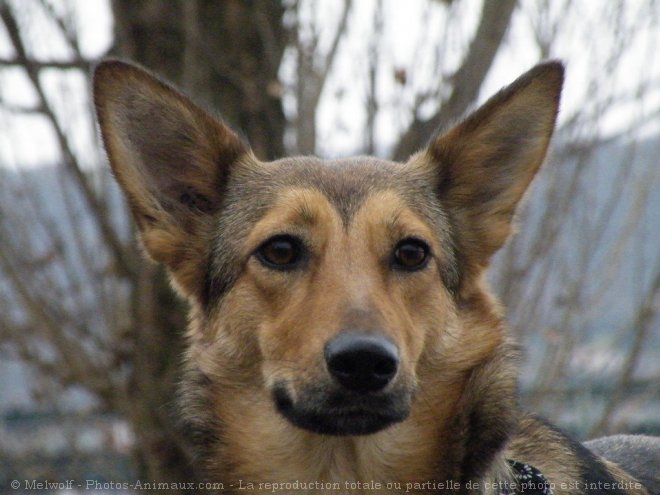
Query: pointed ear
point(170, 158)
point(482, 167)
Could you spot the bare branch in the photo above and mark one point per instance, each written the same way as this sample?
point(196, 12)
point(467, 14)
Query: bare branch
point(372, 68)
point(468, 79)
point(79, 64)
point(79, 363)
point(311, 79)
point(70, 161)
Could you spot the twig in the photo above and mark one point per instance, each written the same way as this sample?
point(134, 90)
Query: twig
point(78, 64)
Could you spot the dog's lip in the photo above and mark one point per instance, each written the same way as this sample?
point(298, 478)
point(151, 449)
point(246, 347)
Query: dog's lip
point(343, 417)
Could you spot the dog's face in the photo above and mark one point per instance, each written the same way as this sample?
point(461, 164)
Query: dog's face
point(335, 287)
point(339, 278)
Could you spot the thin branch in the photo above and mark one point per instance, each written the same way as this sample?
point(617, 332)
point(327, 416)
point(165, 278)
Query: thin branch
point(312, 77)
point(78, 64)
point(372, 73)
point(339, 33)
point(67, 33)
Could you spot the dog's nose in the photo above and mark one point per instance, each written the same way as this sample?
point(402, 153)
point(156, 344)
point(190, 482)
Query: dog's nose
point(362, 362)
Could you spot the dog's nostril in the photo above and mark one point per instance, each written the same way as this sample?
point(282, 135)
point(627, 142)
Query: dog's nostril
point(344, 364)
point(385, 367)
point(362, 362)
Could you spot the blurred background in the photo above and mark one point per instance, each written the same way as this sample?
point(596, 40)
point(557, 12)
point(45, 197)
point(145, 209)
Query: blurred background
point(90, 334)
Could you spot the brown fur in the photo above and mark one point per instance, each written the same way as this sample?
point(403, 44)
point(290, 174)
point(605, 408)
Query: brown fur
point(205, 205)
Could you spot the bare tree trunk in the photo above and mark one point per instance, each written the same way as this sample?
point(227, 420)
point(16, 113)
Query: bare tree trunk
point(227, 56)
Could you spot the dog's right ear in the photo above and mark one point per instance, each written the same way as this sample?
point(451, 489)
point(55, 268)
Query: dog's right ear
point(170, 157)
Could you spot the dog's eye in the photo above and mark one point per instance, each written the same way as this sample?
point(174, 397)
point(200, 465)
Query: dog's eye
point(281, 252)
point(410, 254)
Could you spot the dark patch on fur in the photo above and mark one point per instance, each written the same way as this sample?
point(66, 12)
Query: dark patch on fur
point(198, 423)
point(196, 201)
point(215, 286)
point(492, 413)
point(489, 430)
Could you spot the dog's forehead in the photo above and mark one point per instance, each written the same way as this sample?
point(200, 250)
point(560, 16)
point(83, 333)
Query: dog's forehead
point(346, 183)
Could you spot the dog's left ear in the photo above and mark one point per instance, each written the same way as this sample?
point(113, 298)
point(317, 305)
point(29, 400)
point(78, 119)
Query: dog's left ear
point(482, 167)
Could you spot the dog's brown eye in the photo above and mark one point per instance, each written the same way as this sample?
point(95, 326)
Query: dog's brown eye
point(281, 252)
point(410, 254)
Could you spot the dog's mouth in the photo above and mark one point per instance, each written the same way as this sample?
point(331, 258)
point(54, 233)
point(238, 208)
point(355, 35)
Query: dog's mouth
point(338, 412)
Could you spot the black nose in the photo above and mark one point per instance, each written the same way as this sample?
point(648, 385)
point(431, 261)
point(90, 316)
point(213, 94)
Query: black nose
point(362, 362)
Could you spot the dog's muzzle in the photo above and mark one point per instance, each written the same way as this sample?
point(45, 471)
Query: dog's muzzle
point(362, 395)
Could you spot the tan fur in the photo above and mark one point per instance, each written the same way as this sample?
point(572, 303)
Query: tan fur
point(205, 206)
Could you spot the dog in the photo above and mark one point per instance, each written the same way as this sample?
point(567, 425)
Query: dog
point(342, 337)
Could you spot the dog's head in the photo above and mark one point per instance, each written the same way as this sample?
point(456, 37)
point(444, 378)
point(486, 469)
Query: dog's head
point(336, 287)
